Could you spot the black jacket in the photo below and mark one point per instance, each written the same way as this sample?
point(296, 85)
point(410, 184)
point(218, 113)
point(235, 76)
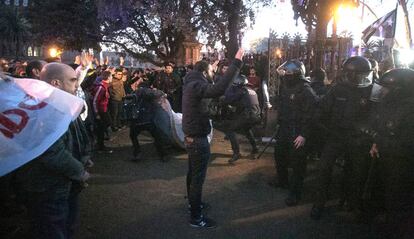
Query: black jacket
point(244, 99)
point(295, 110)
point(59, 165)
point(195, 92)
point(345, 110)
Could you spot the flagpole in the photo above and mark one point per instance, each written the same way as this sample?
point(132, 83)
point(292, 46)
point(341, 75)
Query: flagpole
point(362, 22)
point(393, 37)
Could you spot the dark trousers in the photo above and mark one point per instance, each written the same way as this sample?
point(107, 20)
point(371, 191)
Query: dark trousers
point(53, 214)
point(286, 155)
point(101, 125)
point(354, 174)
point(198, 150)
point(135, 129)
point(115, 109)
point(234, 142)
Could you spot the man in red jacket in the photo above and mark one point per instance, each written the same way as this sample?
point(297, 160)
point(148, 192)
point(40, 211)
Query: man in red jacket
point(100, 94)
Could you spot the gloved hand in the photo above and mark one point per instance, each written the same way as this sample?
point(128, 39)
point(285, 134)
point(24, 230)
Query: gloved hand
point(89, 163)
point(85, 176)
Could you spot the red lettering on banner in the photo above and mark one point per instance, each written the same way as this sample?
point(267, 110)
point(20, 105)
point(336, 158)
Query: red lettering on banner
point(31, 107)
point(12, 127)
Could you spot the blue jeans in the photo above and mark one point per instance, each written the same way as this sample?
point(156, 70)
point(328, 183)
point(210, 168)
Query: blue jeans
point(198, 150)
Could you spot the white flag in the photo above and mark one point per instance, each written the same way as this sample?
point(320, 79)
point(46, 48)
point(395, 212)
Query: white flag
point(33, 115)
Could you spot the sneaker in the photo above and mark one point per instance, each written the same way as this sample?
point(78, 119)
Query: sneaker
point(316, 212)
point(276, 184)
point(234, 158)
point(165, 158)
point(137, 157)
point(291, 201)
point(203, 222)
point(105, 149)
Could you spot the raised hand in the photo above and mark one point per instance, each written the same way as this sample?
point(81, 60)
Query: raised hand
point(239, 54)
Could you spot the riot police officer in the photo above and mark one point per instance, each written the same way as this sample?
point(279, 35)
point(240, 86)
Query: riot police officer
point(245, 102)
point(143, 120)
point(295, 105)
point(392, 150)
point(344, 114)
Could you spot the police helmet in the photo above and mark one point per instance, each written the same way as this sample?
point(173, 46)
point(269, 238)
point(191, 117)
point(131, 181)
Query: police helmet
point(398, 81)
point(357, 71)
point(292, 68)
point(240, 80)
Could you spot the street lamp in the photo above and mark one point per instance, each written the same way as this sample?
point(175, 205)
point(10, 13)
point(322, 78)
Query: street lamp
point(54, 52)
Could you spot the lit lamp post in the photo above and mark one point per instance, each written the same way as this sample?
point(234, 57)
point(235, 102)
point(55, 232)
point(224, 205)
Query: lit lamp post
point(54, 52)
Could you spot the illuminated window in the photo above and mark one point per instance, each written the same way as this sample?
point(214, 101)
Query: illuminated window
point(29, 51)
point(36, 51)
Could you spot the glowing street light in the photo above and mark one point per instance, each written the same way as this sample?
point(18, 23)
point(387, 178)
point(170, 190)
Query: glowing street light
point(346, 18)
point(53, 52)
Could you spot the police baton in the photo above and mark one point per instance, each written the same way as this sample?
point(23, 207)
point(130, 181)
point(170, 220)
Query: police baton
point(369, 183)
point(270, 141)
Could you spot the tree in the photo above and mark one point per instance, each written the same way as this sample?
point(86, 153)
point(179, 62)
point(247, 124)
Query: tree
point(14, 28)
point(155, 27)
point(71, 24)
point(316, 14)
point(149, 28)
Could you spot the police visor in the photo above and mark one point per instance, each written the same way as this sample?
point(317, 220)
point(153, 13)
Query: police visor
point(360, 79)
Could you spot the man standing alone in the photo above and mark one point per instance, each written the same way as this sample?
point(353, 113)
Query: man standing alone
point(198, 89)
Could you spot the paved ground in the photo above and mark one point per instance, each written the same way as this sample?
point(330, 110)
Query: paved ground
point(146, 199)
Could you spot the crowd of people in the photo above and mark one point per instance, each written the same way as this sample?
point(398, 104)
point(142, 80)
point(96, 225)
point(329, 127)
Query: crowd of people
point(362, 119)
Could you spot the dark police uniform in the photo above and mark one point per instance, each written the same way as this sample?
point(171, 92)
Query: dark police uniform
point(296, 103)
point(144, 120)
point(247, 112)
point(394, 139)
point(344, 113)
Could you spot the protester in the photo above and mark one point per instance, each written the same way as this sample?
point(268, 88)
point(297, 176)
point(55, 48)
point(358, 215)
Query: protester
point(197, 89)
point(170, 83)
point(49, 185)
point(254, 80)
point(34, 68)
point(100, 94)
point(116, 92)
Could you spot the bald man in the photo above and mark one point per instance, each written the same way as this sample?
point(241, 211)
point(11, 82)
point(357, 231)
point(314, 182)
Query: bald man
point(50, 184)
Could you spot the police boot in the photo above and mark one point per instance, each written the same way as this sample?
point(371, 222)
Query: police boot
point(137, 156)
point(292, 200)
point(316, 212)
point(234, 158)
point(255, 151)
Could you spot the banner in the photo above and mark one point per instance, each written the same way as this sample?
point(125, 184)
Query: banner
point(33, 115)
